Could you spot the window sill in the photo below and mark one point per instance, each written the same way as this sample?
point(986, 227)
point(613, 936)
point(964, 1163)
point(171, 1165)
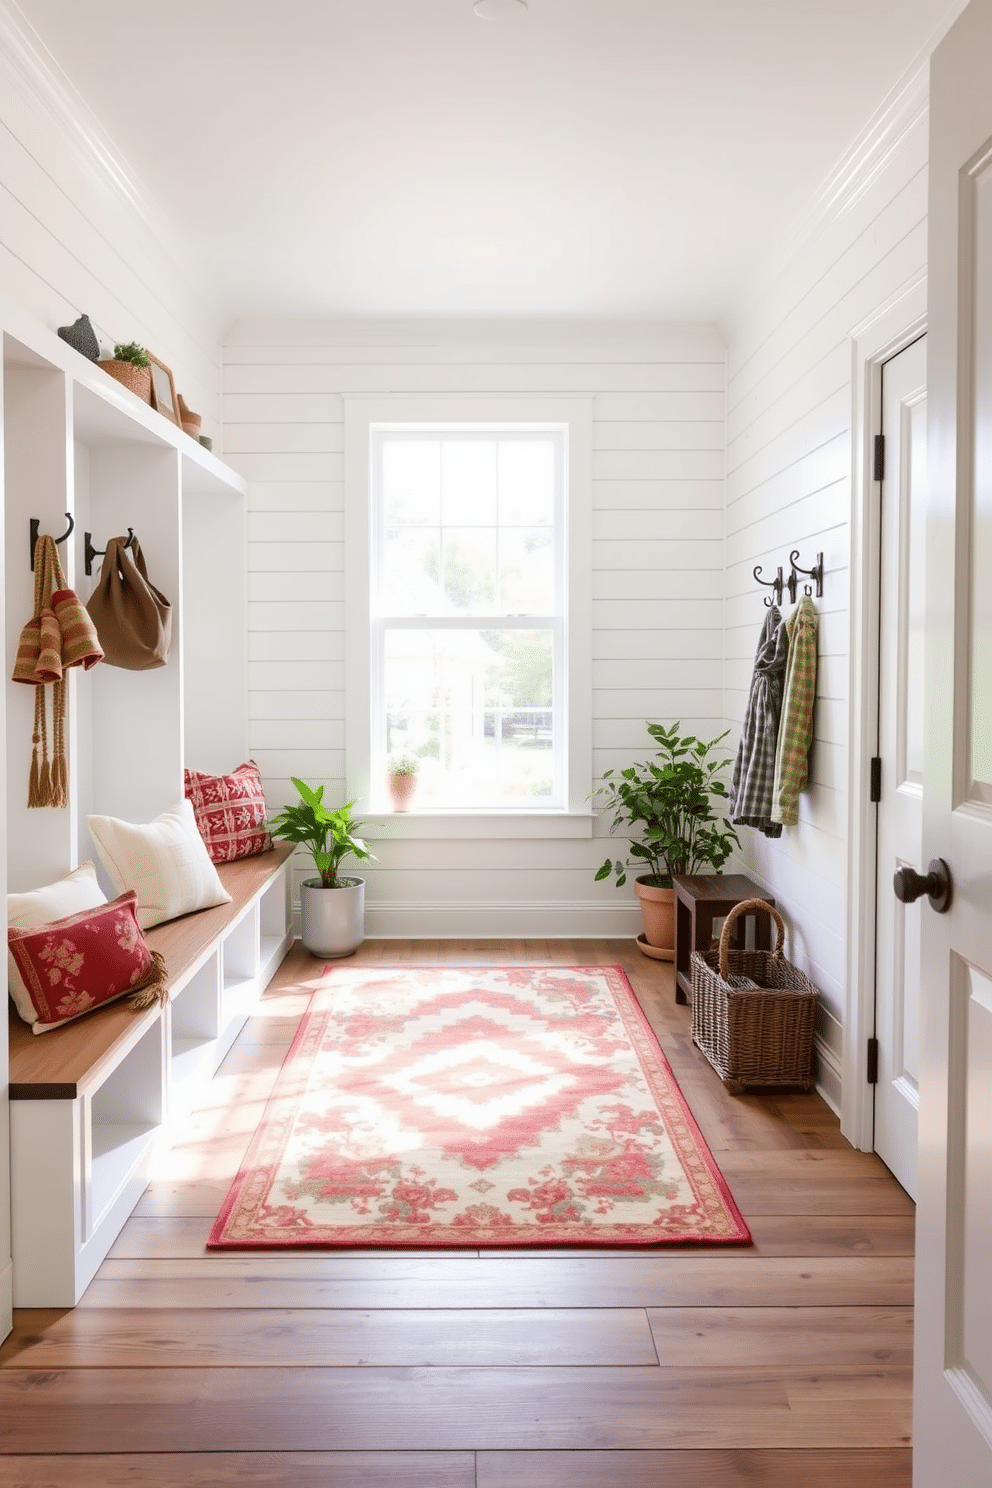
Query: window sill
point(386, 824)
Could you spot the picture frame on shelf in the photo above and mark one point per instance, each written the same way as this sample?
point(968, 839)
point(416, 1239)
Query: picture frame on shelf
point(164, 391)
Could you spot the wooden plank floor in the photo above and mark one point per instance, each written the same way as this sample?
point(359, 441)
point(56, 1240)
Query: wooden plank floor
point(781, 1364)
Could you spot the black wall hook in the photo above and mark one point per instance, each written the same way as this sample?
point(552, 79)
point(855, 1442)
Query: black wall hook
point(774, 584)
point(90, 552)
point(35, 525)
point(815, 573)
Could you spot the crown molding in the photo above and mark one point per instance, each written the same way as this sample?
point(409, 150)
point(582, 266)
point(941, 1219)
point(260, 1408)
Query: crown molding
point(904, 108)
point(853, 175)
point(859, 167)
point(651, 338)
point(32, 70)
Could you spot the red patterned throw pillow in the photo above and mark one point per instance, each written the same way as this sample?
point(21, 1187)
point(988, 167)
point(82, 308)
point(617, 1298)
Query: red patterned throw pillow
point(230, 812)
point(74, 965)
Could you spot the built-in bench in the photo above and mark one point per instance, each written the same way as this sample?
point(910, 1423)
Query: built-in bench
point(91, 1103)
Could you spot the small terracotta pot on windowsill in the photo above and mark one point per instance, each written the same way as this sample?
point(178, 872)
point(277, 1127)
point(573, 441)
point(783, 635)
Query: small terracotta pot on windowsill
point(402, 789)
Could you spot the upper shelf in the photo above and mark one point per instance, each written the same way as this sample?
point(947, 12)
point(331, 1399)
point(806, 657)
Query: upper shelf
point(104, 413)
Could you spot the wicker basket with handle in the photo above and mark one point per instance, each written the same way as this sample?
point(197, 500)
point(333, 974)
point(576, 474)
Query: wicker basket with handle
point(753, 1012)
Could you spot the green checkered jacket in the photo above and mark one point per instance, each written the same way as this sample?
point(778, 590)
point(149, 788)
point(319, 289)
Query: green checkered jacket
point(795, 730)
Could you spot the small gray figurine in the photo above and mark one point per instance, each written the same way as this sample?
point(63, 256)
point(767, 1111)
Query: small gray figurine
point(82, 336)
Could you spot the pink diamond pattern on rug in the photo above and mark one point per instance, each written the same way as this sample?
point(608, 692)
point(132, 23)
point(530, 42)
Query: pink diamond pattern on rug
point(476, 1106)
point(491, 1087)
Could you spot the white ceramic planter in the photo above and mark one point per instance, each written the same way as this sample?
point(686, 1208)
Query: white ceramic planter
point(333, 919)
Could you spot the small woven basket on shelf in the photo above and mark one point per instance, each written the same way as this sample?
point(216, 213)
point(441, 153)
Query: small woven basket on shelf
point(753, 1012)
point(138, 380)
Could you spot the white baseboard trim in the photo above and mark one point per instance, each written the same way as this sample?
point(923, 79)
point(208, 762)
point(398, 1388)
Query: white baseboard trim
point(532, 920)
point(6, 1299)
point(830, 1077)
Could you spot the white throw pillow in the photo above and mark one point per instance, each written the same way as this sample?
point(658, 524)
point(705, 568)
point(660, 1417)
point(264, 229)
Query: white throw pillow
point(164, 861)
point(71, 895)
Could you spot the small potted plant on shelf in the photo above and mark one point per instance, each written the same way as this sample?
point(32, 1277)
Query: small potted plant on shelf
point(402, 776)
point(668, 801)
point(332, 906)
point(131, 366)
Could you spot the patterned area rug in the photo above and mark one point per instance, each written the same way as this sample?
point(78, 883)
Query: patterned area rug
point(453, 1106)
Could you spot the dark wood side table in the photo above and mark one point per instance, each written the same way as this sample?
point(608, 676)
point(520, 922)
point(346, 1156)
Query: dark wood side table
point(700, 899)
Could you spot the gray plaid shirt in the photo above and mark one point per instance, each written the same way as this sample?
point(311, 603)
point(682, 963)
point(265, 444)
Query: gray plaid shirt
point(754, 770)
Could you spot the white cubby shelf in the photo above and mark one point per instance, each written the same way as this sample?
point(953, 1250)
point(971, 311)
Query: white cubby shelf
point(92, 1103)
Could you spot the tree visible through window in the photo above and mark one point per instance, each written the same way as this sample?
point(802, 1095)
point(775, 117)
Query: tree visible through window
point(468, 603)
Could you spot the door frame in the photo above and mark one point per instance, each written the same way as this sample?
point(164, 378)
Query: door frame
point(889, 330)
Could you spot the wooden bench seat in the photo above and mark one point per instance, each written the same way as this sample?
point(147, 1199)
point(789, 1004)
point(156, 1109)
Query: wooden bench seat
point(93, 1101)
point(62, 1064)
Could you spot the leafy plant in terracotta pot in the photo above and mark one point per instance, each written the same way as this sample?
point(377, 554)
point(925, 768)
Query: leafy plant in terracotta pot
point(131, 366)
point(402, 773)
point(332, 906)
point(668, 803)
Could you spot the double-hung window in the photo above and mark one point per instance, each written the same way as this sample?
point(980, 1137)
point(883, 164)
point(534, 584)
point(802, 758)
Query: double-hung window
point(475, 638)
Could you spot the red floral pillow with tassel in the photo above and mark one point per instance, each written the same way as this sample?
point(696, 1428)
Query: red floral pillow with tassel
point(230, 812)
point(74, 965)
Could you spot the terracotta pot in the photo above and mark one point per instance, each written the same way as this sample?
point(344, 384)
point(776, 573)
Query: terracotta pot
point(402, 789)
point(137, 380)
point(658, 914)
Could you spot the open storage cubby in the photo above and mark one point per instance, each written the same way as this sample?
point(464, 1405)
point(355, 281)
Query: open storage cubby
point(81, 1147)
point(239, 975)
point(38, 482)
point(194, 1028)
point(275, 914)
point(126, 1113)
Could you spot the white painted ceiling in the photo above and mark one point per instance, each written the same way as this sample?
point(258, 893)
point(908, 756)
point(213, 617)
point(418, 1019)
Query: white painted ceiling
point(588, 158)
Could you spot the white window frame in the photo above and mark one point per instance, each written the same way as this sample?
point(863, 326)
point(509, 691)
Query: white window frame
point(362, 414)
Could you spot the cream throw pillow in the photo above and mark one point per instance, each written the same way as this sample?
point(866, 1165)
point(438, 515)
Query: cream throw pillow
point(164, 861)
point(71, 895)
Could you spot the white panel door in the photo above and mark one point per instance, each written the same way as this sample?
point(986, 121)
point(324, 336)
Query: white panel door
point(900, 750)
point(953, 1385)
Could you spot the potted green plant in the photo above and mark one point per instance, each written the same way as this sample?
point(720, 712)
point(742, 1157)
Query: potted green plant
point(131, 366)
point(402, 773)
point(332, 906)
point(668, 804)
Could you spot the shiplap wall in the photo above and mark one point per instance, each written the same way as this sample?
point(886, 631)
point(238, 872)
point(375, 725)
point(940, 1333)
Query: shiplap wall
point(790, 408)
point(76, 234)
point(657, 576)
